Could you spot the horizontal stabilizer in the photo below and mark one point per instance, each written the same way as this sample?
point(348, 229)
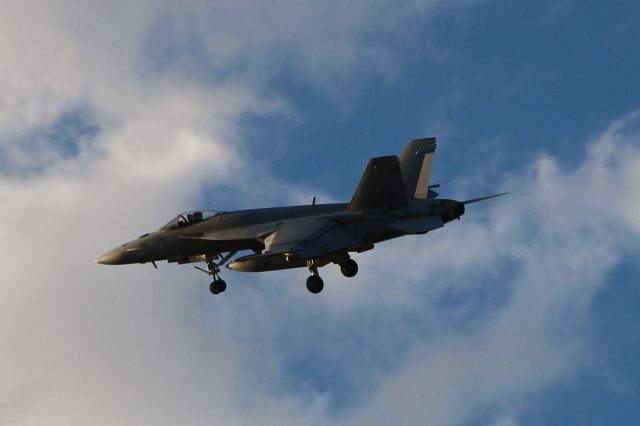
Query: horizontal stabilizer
point(381, 187)
point(475, 200)
point(418, 225)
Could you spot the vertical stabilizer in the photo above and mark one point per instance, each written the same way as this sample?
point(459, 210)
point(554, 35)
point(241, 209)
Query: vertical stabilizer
point(380, 188)
point(415, 166)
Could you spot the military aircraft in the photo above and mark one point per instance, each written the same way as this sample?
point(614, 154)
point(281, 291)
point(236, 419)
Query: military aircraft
point(393, 199)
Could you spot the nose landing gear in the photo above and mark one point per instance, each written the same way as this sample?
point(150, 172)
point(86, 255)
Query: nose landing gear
point(217, 286)
point(213, 269)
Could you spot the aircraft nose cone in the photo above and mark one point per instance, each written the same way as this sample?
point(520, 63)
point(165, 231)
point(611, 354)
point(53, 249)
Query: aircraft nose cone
point(112, 257)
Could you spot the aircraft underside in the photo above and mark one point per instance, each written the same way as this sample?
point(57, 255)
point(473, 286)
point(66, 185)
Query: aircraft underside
point(274, 262)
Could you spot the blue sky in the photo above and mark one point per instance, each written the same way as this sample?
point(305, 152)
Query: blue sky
point(535, 76)
point(523, 313)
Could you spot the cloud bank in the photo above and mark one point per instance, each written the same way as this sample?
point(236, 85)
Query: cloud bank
point(114, 117)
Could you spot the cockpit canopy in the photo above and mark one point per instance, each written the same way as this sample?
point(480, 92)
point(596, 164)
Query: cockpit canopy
point(189, 218)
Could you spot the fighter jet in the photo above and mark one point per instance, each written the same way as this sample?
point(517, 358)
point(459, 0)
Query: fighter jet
point(393, 199)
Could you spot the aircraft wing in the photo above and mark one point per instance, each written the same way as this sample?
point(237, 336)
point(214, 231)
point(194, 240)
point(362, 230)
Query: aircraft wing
point(310, 238)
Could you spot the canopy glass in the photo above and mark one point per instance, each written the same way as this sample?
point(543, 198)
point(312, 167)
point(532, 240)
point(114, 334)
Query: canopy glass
point(189, 218)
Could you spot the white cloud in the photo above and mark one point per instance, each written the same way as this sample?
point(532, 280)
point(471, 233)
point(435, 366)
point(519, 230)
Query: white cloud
point(505, 421)
point(132, 345)
point(561, 238)
point(85, 343)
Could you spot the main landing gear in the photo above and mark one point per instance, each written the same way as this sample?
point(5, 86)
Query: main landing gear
point(315, 284)
point(213, 268)
point(349, 268)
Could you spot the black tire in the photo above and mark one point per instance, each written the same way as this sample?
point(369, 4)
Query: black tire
point(349, 268)
point(218, 286)
point(315, 284)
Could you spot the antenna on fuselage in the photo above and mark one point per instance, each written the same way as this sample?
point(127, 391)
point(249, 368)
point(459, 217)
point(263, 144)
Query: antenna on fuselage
point(313, 202)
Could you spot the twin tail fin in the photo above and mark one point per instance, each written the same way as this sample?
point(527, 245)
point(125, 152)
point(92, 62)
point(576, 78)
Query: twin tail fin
point(388, 183)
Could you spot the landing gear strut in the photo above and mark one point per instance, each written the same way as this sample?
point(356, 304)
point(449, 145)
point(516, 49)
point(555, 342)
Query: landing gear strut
point(314, 282)
point(213, 269)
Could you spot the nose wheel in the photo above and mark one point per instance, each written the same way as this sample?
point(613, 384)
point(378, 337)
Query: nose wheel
point(213, 269)
point(217, 286)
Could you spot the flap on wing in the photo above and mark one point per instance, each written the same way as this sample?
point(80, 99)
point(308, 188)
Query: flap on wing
point(381, 187)
point(419, 225)
point(291, 235)
point(310, 238)
point(334, 239)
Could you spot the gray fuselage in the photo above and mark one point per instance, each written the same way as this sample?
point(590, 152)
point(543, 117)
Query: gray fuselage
point(245, 230)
